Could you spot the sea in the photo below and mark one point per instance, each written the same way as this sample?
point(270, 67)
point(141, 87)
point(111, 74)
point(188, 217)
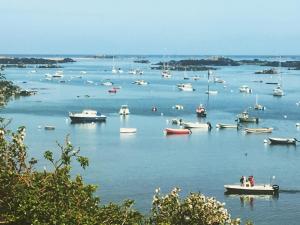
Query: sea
point(132, 166)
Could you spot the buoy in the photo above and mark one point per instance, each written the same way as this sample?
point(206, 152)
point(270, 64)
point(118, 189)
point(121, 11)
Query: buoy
point(285, 116)
point(265, 141)
point(161, 114)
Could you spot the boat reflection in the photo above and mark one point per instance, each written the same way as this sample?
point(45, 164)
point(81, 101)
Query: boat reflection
point(249, 200)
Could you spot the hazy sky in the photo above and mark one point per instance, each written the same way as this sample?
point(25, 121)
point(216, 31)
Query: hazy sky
point(150, 26)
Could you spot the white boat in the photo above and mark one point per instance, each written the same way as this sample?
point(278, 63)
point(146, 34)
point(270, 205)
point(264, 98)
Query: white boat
point(107, 83)
point(198, 125)
point(258, 106)
point(86, 116)
point(140, 82)
point(124, 110)
point(259, 130)
point(211, 92)
point(219, 80)
point(278, 91)
point(245, 89)
point(128, 130)
point(258, 189)
point(186, 88)
point(226, 125)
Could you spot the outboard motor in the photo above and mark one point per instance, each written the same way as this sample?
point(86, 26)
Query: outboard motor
point(275, 188)
point(209, 126)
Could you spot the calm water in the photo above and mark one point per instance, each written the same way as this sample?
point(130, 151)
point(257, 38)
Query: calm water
point(132, 166)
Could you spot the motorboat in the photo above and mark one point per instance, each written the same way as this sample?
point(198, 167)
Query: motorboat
point(198, 125)
point(195, 78)
point(258, 189)
point(140, 82)
point(219, 80)
point(170, 131)
point(245, 89)
point(259, 130)
point(226, 125)
point(86, 116)
point(245, 118)
point(128, 130)
point(107, 83)
point(186, 88)
point(201, 111)
point(282, 141)
point(278, 91)
point(166, 74)
point(124, 110)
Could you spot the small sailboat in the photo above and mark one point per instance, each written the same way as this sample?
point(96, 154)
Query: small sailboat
point(166, 72)
point(258, 106)
point(210, 92)
point(278, 91)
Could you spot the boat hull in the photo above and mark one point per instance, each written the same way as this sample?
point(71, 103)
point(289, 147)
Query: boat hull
point(170, 131)
point(76, 119)
point(256, 190)
point(282, 141)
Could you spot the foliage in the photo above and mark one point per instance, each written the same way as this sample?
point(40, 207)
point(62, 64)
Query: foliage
point(7, 89)
point(28, 196)
point(195, 209)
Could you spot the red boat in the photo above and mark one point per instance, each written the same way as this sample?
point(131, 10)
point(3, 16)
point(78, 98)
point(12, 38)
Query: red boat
point(177, 131)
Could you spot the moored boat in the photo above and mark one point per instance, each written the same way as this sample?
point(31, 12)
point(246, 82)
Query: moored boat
point(245, 89)
point(170, 131)
point(245, 118)
point(201, 111)
point(259, 130)
point(86, 116)
point(128, 130)
point(282, 141)
point(124, 110)
point(226, 125)
point(196, 125)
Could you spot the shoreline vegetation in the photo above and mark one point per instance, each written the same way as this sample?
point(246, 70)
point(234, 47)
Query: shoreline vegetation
point(29, 196)
point(8, 90)
point(41, 62)
point(213, 62)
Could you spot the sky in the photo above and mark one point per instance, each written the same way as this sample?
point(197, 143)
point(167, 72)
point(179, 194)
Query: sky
point(200, 27)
